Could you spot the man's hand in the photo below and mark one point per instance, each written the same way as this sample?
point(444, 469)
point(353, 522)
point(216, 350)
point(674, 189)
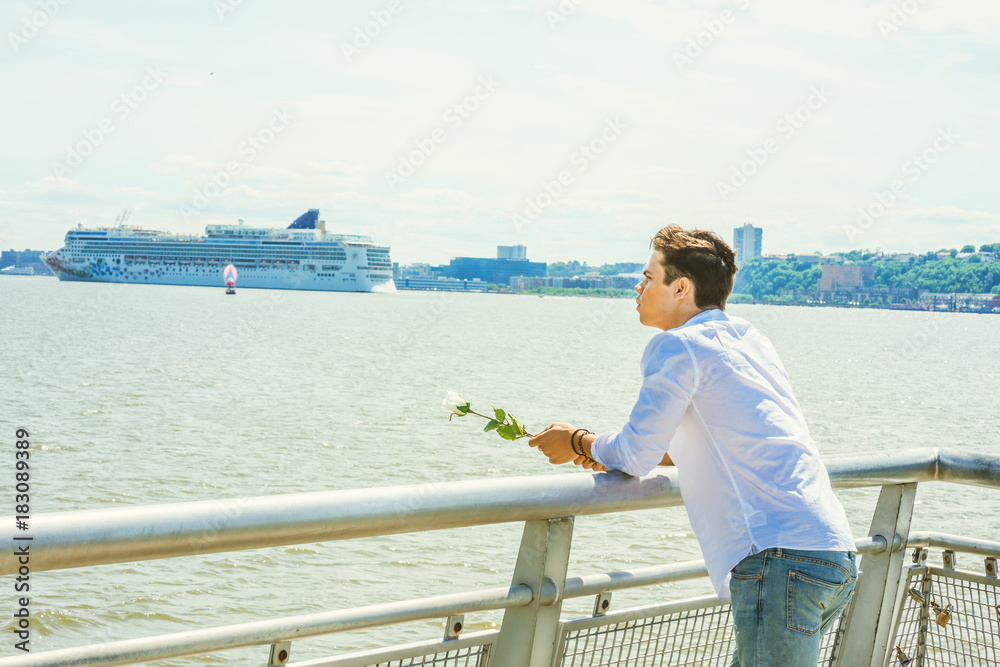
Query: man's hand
point(554, 443)
point(590, 464)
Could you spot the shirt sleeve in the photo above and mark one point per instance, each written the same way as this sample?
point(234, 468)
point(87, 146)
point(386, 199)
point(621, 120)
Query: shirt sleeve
point(670, 378)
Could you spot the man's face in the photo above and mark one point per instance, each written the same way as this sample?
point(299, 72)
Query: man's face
point(658, 303)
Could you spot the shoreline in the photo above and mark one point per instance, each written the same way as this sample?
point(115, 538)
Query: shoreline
point(587, 293)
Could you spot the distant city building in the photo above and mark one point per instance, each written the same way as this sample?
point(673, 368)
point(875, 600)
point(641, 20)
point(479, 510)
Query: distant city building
point(818, 259)
point(417, 270)
point(499, 270)
point(811, 258)
point(440, 284)
point(983, 256)
point(747, 242)
point(24, 259)
point(528, 282)
point(846, 277)
point(626, 280)
point(512, 252)
point(966, 303)
point(621, 281)
point(853, 284)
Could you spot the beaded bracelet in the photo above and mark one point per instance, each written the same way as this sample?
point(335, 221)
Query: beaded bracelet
point(573, 444)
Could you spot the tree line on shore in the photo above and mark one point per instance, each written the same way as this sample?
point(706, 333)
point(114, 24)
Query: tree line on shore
point(766, 280)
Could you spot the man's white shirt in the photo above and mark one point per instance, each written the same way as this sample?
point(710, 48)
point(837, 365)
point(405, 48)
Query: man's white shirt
point(716, 398)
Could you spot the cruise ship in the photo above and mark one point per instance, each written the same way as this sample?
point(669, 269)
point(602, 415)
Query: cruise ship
point(303, 256)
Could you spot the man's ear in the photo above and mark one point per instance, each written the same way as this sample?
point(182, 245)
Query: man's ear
point(684, 288)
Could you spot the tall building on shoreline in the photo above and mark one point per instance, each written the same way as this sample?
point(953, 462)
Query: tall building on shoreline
point(510, 261)
point(512, 252)
point(747, 242)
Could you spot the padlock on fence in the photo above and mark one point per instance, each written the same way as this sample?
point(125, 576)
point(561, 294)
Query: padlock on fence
point(944, 615)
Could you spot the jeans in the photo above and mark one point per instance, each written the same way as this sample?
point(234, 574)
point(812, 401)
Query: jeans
point(783, 601)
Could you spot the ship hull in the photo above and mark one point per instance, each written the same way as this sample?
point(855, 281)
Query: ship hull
point(249, 277)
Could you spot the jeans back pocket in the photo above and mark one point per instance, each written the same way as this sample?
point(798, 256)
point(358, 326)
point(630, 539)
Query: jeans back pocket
point(809, 599)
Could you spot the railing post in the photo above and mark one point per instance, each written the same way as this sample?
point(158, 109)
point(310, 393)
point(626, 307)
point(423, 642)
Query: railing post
point(871, 621)
point(528, 634)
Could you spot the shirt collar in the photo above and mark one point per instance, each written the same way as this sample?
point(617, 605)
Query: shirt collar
point(710, 315)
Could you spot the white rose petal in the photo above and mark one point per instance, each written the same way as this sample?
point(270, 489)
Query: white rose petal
point(452, 401)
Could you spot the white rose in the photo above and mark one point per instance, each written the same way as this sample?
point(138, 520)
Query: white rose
point(454, 402)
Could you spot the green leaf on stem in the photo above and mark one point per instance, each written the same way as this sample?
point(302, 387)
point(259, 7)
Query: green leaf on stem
point(500, 414)
point(491, 425)
point(507, 432)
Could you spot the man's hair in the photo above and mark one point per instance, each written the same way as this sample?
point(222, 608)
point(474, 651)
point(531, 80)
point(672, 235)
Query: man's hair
point(700, 256)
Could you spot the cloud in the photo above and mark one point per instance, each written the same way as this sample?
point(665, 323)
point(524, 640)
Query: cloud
point(183, 164)
point(957, 20)
point(135, 192)
point(336, 167)
point(948, 213)
point(705, 76)
point(617, 96)
point(353, 120)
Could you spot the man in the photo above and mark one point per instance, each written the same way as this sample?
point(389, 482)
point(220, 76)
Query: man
point(717, 403)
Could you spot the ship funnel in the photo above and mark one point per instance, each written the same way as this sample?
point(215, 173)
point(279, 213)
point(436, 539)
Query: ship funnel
point(307, 220)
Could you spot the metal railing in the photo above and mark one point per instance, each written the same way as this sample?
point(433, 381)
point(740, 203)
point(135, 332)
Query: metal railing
point(946, 615)
point(892, 616)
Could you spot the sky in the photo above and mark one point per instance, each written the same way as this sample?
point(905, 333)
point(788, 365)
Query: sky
point(443, 129)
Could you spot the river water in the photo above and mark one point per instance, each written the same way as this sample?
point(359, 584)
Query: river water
point(139, 394)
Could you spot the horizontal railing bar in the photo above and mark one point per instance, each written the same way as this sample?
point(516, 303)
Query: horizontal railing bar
point(960, 543)
point(875, 544)
point(402, 652)
point(914, 465)
point(645, 611)
point(959, 574)
point(94, 537)
point(161, 647)
point(593, 584)
point(289, 628)
point(968, 468)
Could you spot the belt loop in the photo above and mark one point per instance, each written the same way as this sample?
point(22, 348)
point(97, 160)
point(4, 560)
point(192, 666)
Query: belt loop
point(777, 552)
